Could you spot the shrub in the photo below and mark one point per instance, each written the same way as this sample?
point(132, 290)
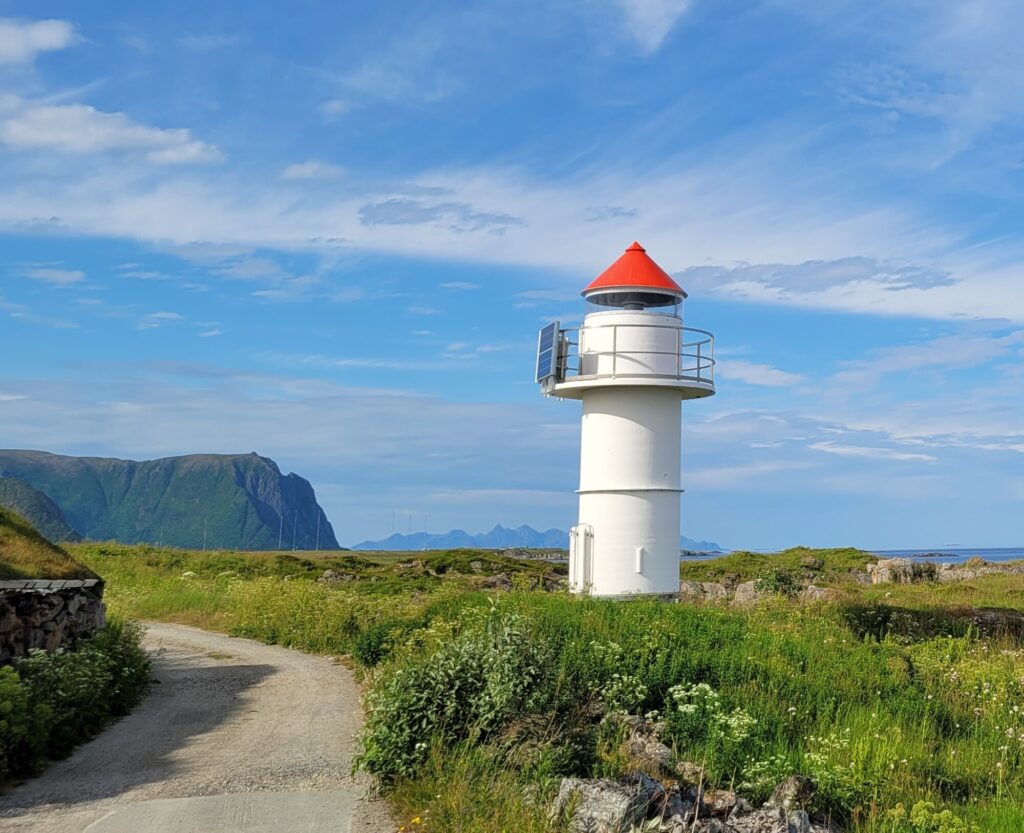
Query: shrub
point(778, 580)
point(470, 686)
point(52, 702)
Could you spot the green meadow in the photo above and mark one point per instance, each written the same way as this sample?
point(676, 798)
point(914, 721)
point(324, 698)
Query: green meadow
point(486, 683)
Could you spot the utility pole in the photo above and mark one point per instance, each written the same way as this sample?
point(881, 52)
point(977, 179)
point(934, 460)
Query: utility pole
point(280, 529)
point(319, 512)
point(295, 528)
point(206, 517)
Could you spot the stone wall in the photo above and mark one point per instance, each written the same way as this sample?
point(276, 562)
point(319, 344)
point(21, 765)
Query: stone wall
point(47, 614)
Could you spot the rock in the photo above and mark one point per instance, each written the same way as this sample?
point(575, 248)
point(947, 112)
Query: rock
point(703, 591)
point(333, 576)
point(742, 808)
point(811, 562)
point(712, 825)
point(476, 566)
point(811, 593)
point(650, 752)
point(689, 772)
point(746, 593)
point(793, 793)
point(679, 806)
point(902, 571)
point(188, 574)
point(608, 805)
point(718, 802)
point(500, 581)
point(764, 820)
point(799, 822)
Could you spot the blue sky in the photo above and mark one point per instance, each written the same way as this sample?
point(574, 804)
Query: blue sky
point(330, 233)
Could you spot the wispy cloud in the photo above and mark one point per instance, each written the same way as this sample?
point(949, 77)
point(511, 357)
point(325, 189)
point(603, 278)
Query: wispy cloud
point(757, 374)
point(79, 128)
point(311, 169)
point(871, 452)
point(54, 276)
point(650, 21)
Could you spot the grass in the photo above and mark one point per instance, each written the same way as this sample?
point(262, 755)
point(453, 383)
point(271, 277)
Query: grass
point(480, 701)
point(25, 554)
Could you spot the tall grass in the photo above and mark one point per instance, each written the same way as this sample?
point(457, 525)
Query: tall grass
point(890, 696)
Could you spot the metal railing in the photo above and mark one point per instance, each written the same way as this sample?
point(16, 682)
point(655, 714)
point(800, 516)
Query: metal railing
point(694, 359)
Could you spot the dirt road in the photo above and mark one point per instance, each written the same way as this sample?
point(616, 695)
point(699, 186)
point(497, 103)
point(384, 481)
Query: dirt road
point(235, 736)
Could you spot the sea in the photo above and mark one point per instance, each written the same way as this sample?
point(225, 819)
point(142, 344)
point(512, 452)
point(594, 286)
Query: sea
point(948, 555)
point(956, 555)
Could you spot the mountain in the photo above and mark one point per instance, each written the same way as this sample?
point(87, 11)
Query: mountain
point(225, 501)
point(498, 538)
point(698, 546)
point(37, 509)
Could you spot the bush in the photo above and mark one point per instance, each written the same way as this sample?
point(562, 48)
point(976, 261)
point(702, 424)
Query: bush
point(469, 686)
point(779, 580)
point(52, 702)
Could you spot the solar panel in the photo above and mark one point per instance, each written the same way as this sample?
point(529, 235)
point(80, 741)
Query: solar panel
point(547, 351)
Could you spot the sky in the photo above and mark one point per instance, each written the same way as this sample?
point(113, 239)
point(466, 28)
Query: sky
point(329, 233)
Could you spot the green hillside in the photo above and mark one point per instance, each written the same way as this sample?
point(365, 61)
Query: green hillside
point(37, 509)
point(240, 501)
point(25, 554)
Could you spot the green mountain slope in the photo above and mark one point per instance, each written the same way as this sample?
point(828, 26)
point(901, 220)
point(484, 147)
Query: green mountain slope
point(25, 554)
point(37, 509)
point(226, 501)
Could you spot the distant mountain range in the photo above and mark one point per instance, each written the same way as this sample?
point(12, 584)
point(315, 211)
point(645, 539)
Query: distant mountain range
point(225, 501)
point(498, 538)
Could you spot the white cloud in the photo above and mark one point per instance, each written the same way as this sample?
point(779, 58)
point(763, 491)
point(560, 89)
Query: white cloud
point(650, 21)
point(22, 40)
point(757, 374)
point(210, 333)
point(459, 285)
point(870, 452)
point(53, 276)
point(79, 128)
point(311, 169)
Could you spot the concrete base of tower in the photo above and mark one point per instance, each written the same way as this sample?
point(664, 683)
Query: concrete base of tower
point(626, 544)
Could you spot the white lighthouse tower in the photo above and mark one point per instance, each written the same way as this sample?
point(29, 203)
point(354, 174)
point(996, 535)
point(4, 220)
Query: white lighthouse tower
point(631, 363)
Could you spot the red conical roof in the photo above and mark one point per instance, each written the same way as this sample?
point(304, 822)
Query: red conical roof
point(635, 270)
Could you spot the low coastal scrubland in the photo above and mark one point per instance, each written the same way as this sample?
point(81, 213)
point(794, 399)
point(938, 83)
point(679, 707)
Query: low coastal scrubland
point(487, 684)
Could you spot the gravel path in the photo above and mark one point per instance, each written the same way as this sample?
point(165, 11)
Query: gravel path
point(235, 736)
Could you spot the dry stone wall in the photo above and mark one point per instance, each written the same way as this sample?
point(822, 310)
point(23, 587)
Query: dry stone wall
point(47, 615)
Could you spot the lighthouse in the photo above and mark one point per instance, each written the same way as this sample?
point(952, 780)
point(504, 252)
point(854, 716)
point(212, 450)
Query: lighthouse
point(631, 363)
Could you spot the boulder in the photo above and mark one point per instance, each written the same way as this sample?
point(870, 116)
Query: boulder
point(902, 571)
point(812, 593)
point(811, 562)
point(649, 752)
point(794, 793)
point(500, 581)
point(689, 772)
point(608, 805)
point(703, 591)
point(747, 593)
point(764, 820)
point(718, 802)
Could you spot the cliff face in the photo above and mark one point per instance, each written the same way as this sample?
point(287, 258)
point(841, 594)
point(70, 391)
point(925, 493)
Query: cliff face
point(228, 501)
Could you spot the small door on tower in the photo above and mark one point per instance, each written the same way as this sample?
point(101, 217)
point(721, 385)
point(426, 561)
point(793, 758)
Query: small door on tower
point(581, 558)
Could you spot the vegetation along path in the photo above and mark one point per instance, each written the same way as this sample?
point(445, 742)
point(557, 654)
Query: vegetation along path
point(235, 736)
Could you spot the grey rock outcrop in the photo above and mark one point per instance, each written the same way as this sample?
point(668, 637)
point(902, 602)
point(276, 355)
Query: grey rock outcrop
point(608, 805)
